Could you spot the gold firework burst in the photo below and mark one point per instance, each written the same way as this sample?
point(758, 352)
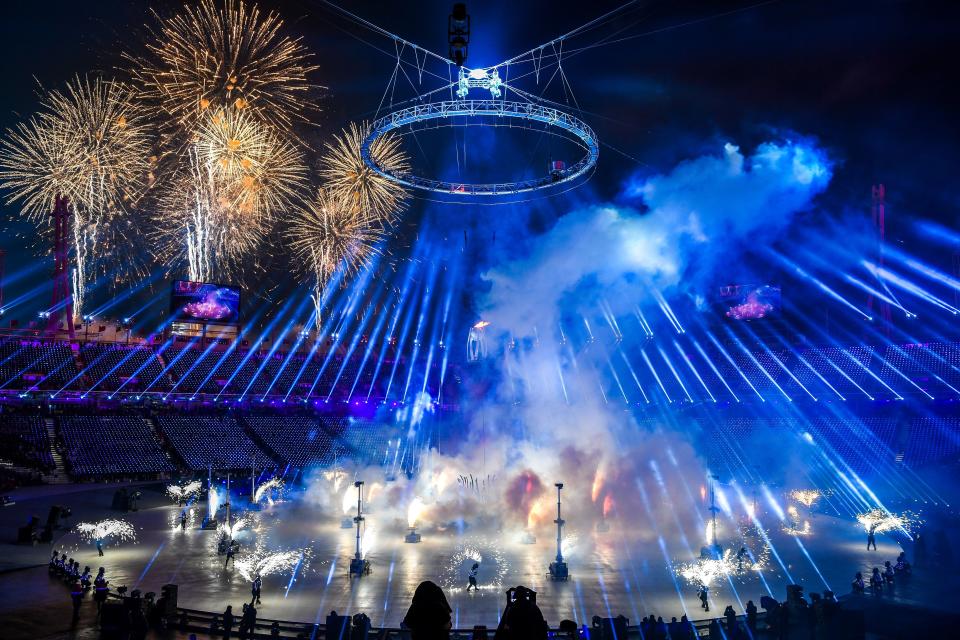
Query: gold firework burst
point(214, 55)
point(327, 235)
point(256, 173)
point(91, 144)
point(218, 209)
point(349, 179)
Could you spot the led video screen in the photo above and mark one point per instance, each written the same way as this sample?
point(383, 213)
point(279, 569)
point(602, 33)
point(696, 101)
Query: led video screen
point(205, 302)
point(750, 301)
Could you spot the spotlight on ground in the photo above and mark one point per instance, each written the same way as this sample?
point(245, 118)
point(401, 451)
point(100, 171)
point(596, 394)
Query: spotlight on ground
point(359, 566)
point(558, 568)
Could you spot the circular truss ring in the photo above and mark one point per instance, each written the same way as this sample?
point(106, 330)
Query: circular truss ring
point(493, 109)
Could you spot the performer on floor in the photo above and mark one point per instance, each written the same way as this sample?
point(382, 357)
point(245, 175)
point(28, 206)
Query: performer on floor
point(876, 582)
point(704, 598)
point(100, 547)
point(76, 596)
point(472, 579)
point(741, 554)
point(872, 537)
point(100, 589)
point(255, 589)
point(231, 549)
point(85, 579)
point(183, 521)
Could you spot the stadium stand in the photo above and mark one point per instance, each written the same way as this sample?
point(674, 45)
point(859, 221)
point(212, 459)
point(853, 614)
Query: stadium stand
point(212, 441)
point(111, 445)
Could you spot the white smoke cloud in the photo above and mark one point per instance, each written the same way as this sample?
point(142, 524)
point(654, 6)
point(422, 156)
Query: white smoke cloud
point(685, 221)
point(548, 420)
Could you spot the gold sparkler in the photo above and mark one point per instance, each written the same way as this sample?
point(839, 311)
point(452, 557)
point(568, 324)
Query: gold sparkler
point(349, 179)
point(214, 55)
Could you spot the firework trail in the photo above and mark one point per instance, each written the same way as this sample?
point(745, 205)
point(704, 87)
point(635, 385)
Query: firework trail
point(350, 180)
point(119, 530)
point(216, 55)
point(89, 143)
point(754, 539)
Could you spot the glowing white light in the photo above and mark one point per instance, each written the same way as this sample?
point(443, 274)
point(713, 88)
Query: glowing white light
point(213, 501)
point(348, 500)
point(414, 511)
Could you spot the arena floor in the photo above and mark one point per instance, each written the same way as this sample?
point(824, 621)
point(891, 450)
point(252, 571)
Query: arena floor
point(611, 573)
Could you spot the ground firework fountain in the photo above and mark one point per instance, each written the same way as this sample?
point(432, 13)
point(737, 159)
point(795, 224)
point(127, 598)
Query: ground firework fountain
point(413, 515)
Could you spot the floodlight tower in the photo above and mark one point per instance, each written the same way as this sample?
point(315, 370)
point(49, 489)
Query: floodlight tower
point(458, 34)
point(878, 210)
point(715, 550)
point(359, 566)
point(62, 296)
point(558, 568)
point(3, 270)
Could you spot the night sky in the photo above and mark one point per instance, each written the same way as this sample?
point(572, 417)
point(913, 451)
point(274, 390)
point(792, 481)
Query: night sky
point(874, 82)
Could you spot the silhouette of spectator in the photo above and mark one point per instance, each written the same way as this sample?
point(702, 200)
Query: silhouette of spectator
point(569, 627)
point(428, 617)
point(751, 617)
point(731, 617)
point(660, 629)
point(227, 622)
point(522, 618)
point(674, 628)
point(920, 549)
point(715, 632)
